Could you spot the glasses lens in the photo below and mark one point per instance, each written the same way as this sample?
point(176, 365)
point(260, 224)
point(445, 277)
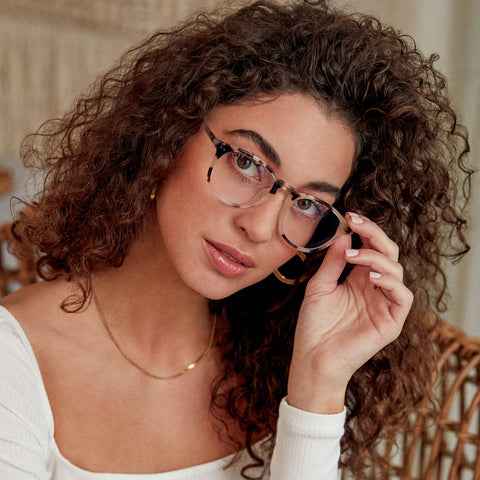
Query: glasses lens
point(239, 179)
point(309, 223)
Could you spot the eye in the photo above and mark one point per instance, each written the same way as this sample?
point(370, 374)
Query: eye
point(307, 206)
point(248, 169)
point(245, 164)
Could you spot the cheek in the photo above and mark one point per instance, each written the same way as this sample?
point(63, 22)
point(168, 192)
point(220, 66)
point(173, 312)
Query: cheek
point(279, 258)
point(185, 194)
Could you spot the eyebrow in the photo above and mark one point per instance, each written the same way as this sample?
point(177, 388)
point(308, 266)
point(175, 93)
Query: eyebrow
point(264, 146)
point(324, 187)
point(272, 155)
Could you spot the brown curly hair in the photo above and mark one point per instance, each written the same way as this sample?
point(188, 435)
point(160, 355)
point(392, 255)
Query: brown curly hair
point(120, 141)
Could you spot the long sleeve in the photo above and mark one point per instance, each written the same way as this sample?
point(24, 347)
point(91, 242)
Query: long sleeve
point(307, 445)
point(24, 427)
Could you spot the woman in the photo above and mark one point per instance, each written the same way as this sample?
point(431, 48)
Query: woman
point(160, 344)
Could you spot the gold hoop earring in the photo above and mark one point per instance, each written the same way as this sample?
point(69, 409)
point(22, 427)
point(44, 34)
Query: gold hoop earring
point(291, 281)
point(153, 194)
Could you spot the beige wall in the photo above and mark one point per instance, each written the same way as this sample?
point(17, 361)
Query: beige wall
point(50, 50)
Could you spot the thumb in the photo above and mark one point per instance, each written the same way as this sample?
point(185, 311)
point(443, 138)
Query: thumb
point(326, 278)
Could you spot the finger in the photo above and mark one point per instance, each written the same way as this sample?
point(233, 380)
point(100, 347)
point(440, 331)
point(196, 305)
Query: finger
point(376, 261)
point(396, 292)
point(372, 235)
point(326, 278)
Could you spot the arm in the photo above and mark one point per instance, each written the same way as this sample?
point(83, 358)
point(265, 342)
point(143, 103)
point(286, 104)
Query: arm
point(307, 445)
point(340, 327)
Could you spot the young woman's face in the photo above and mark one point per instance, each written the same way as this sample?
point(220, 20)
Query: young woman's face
point(217, 249)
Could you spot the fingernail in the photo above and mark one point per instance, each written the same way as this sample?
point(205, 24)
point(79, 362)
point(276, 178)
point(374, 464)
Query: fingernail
point(355, 217)
point(350, 252)
point(375, 275)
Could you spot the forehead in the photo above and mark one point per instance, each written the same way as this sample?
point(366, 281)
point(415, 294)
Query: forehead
point(310, 144)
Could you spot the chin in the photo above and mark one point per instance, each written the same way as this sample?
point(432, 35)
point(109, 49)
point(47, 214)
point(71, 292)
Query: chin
point(219, 289)
point(220, 294)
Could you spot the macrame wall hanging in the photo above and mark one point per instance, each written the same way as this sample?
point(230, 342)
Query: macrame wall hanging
point(51, 50)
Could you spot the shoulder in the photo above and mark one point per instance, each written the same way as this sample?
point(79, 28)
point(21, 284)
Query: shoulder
point(37, 308)
point(26, 326)
point(15, 350)
point(36, 299)
point(24, 407)
point(26, 419)
point(33, 320)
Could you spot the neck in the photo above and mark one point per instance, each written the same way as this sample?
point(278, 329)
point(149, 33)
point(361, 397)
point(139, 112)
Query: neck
point(153, 315)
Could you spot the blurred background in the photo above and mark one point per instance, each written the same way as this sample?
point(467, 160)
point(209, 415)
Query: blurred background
point(51, 50)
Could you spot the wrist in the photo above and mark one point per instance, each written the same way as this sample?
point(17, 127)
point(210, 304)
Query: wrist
point(314, 391)
point(321, 403)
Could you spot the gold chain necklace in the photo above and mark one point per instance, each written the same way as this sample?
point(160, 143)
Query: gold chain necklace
point(136, 365)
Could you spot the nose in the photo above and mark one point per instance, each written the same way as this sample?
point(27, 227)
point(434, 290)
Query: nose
point(259, 222)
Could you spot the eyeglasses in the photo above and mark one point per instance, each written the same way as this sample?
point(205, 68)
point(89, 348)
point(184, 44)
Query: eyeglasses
point(241, 179)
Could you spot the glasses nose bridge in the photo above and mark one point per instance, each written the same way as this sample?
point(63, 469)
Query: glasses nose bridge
point(281, 185)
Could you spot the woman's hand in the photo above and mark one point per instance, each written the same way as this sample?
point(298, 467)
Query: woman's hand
point(340, 327)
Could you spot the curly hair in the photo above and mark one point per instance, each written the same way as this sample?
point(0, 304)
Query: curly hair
point(121, 139)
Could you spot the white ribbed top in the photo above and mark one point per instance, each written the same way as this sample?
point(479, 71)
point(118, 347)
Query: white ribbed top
point(307, 446)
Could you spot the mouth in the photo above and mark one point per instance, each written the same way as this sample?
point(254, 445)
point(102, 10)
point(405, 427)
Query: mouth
point(228, 260)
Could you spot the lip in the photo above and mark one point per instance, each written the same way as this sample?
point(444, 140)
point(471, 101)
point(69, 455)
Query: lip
point(228, 260)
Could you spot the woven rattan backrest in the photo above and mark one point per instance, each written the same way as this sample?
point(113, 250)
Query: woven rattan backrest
point(14, 272)
point(446, 447)
point(443, 445)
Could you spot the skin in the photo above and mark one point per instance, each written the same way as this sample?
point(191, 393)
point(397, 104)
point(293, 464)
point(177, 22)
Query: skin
point(341, 326)
point(310, 147)
point(156, 303)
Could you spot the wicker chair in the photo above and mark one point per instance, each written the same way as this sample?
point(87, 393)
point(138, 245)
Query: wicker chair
point(6, 181)
point(14, 273)
point(445, 446)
